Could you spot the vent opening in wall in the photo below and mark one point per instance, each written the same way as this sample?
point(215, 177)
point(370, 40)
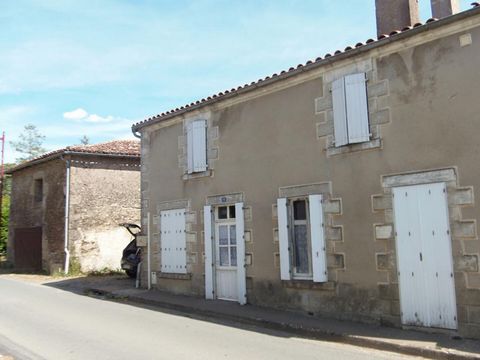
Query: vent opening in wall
point(38, 190)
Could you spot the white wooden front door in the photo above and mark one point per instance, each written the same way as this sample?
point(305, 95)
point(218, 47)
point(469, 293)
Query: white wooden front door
point(226, 260)
point(424, 256)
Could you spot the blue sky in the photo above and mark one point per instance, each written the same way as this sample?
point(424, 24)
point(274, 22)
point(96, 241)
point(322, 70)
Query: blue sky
point(77, 67)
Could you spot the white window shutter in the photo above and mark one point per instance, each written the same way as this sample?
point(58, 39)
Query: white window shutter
point(199, 145)
point(173, 241)
point(283, 238)
point(190, 148)
point(207, 223)
point(317, 234)
point(339, 113)
point(240, 235)
point(357, 108)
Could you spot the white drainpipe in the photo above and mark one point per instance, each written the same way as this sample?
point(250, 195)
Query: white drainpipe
point(67, 217)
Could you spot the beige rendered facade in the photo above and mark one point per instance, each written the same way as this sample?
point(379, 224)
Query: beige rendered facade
point(276, 139)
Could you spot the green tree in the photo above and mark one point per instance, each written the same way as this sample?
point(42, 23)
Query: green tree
point(5, 214)
point(29, 143)
point(85, 140)
point(4, 223)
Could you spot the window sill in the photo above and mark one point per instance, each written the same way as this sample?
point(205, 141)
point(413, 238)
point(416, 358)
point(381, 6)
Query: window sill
point(197, 175)
point(369, 145)
point(308, 285)
point(174, 276)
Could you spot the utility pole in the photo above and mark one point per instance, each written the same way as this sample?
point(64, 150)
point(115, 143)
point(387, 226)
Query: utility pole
point(2, 176)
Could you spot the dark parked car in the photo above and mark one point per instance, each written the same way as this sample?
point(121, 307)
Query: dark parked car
point(131, 254)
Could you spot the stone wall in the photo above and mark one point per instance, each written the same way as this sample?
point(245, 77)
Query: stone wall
point(104, 192)
point(25, 212)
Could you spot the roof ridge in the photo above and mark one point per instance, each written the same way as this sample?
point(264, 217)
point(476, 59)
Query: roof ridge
point(101, 143)
point(290, 70)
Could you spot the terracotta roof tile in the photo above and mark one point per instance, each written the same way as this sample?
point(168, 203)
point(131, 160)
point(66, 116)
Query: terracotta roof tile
point(290, 70)
point(116, 147)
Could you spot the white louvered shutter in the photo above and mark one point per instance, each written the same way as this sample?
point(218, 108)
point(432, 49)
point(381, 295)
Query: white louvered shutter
point(317, 234)
point(199, 145)
point(283, 239)
point(339, 112)
point(240, 236)
point(173, 241)
point(357, 108)
point(207, 223)
point(190, 147)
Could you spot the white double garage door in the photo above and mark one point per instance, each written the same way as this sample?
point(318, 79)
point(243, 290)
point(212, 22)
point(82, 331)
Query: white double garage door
point(424, 256)
point(423, 244)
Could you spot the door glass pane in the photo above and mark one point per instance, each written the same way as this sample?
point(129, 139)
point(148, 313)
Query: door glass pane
point(224, 256)
point(223, 235)
point(301, 249)
point(299, 210)
point(233, 235)
point(222, 212)
point(231, 211)
point(233, 255)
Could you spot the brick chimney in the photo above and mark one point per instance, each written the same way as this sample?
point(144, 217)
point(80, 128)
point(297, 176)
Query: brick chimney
point(443, 8)
point(396, 14)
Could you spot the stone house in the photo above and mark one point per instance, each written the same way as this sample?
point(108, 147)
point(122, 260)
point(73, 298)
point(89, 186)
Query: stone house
point(66, 207)
point(343, 187)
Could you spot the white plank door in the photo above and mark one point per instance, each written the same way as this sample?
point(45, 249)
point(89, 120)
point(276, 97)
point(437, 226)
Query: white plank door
point(208, 248)
point(424, 256)
point(241, 271)
point(226, 261)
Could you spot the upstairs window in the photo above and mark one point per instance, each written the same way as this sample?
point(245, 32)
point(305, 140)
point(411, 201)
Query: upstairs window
point(197, 146)
point(350, 110)
point(38, 190)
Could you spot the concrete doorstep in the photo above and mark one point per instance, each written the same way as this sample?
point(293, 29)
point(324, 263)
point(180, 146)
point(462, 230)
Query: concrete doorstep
point(410, 342)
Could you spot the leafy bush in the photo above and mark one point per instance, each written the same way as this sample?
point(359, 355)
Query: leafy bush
point(4, 223)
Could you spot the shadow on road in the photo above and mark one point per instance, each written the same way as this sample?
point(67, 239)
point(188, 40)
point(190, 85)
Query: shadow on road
point(111, 288)
point(120, 288)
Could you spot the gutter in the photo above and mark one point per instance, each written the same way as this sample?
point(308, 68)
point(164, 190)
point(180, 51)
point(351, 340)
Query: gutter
point(310, 65)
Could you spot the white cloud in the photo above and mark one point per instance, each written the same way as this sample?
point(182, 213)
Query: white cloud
point(93, 125)
point(94, 118)
point(83, 116)
point(77, 114)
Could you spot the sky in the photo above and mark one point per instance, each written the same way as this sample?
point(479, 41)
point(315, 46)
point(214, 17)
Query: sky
point(95, 67)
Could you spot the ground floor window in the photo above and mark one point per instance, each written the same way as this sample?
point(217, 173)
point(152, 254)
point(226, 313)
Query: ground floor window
point(301, 238)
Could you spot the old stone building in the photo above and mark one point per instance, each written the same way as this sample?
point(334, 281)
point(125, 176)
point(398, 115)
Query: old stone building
point(342, 187)
point(66, 207)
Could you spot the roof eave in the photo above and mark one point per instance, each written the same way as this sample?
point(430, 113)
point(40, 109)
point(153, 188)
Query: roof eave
point(64, 153)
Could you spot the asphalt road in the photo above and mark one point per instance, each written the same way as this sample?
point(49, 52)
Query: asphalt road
point(41, 322)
